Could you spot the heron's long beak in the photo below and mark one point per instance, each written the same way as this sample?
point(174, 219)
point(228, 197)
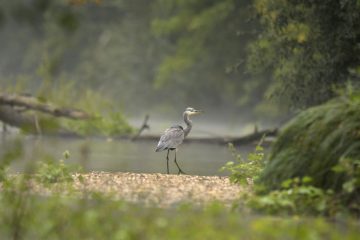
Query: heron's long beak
point(198, 111)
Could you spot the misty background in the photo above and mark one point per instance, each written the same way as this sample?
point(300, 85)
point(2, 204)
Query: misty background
point(245, 63)
point(132, 54)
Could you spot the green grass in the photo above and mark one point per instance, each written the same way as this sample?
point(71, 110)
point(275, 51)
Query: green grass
point(96, 217)
point(322, 143)
point(64, 214)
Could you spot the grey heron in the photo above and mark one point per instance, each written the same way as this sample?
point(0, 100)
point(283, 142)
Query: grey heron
point(175, 135)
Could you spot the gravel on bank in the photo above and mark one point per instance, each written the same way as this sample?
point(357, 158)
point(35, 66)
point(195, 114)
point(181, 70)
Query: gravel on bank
point(160, 189)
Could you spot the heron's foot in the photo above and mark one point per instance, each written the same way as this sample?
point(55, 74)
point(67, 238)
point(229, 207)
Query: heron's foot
point(181, 172)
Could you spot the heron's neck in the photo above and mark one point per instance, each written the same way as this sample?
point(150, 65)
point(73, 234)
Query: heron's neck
point(188, 124)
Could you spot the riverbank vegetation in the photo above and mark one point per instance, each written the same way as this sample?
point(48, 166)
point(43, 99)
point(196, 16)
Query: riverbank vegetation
point(64, 213)
point(313, 166)
point(85, 113)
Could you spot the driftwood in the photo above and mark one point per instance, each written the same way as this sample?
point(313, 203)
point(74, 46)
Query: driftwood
point(243, 140)
point(254, 137)
point(144, 126)
point(30, 102)
point(14, 106)
point(10, 116)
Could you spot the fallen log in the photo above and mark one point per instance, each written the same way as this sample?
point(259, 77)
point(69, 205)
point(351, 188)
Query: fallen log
point(250, 138)
point(256, 136)
point(13, 118)
point(13, 108)
point(31, 103)
point(247, 139)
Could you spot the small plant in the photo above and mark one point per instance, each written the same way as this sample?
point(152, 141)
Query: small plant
point(297, 196)
point(51, 171)
point(351, 169)
point(245, 170)
point(15, 151)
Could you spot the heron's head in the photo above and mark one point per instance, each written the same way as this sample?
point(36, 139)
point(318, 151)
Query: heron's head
point(191, 111)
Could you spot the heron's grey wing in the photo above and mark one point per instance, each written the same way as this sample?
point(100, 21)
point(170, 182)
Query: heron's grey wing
point(172, 138)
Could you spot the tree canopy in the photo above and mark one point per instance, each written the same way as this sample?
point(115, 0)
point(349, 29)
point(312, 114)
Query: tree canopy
point(307, 48)
point(161, 54)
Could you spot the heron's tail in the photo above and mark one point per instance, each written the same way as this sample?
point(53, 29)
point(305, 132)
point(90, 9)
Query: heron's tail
point(160, 147)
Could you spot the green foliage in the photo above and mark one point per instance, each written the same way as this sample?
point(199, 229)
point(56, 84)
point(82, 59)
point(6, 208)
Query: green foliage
point(52, 171)
point(196, 22)
point(350, 168)
point(207, 51)
point(245, 170)
point(112, 124)
point(316, 141)
point(24, 216)
point(296, 196)
point(107, 119)
point(307, 47)
point(40, 11)
point(13, 153)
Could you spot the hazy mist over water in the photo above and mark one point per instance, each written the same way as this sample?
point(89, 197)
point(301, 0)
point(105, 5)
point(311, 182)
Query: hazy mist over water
point(98, 154)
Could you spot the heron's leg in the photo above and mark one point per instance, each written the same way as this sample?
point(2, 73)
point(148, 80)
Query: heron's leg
point(180, 171)
point(167, 161)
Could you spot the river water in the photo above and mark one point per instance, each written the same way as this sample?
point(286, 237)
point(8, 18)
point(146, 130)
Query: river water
point(100, 154)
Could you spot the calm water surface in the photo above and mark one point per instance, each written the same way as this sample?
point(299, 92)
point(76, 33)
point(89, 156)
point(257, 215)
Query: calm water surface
point(98, 154)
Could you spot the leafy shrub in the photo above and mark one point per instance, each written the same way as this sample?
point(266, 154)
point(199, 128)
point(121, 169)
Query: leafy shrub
point(245, 170)
point(296, 196)
point(350, 168)
point(51, 171)
point(316, 141)
point(25, 216)
point(107, 118)
point(109, 125)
